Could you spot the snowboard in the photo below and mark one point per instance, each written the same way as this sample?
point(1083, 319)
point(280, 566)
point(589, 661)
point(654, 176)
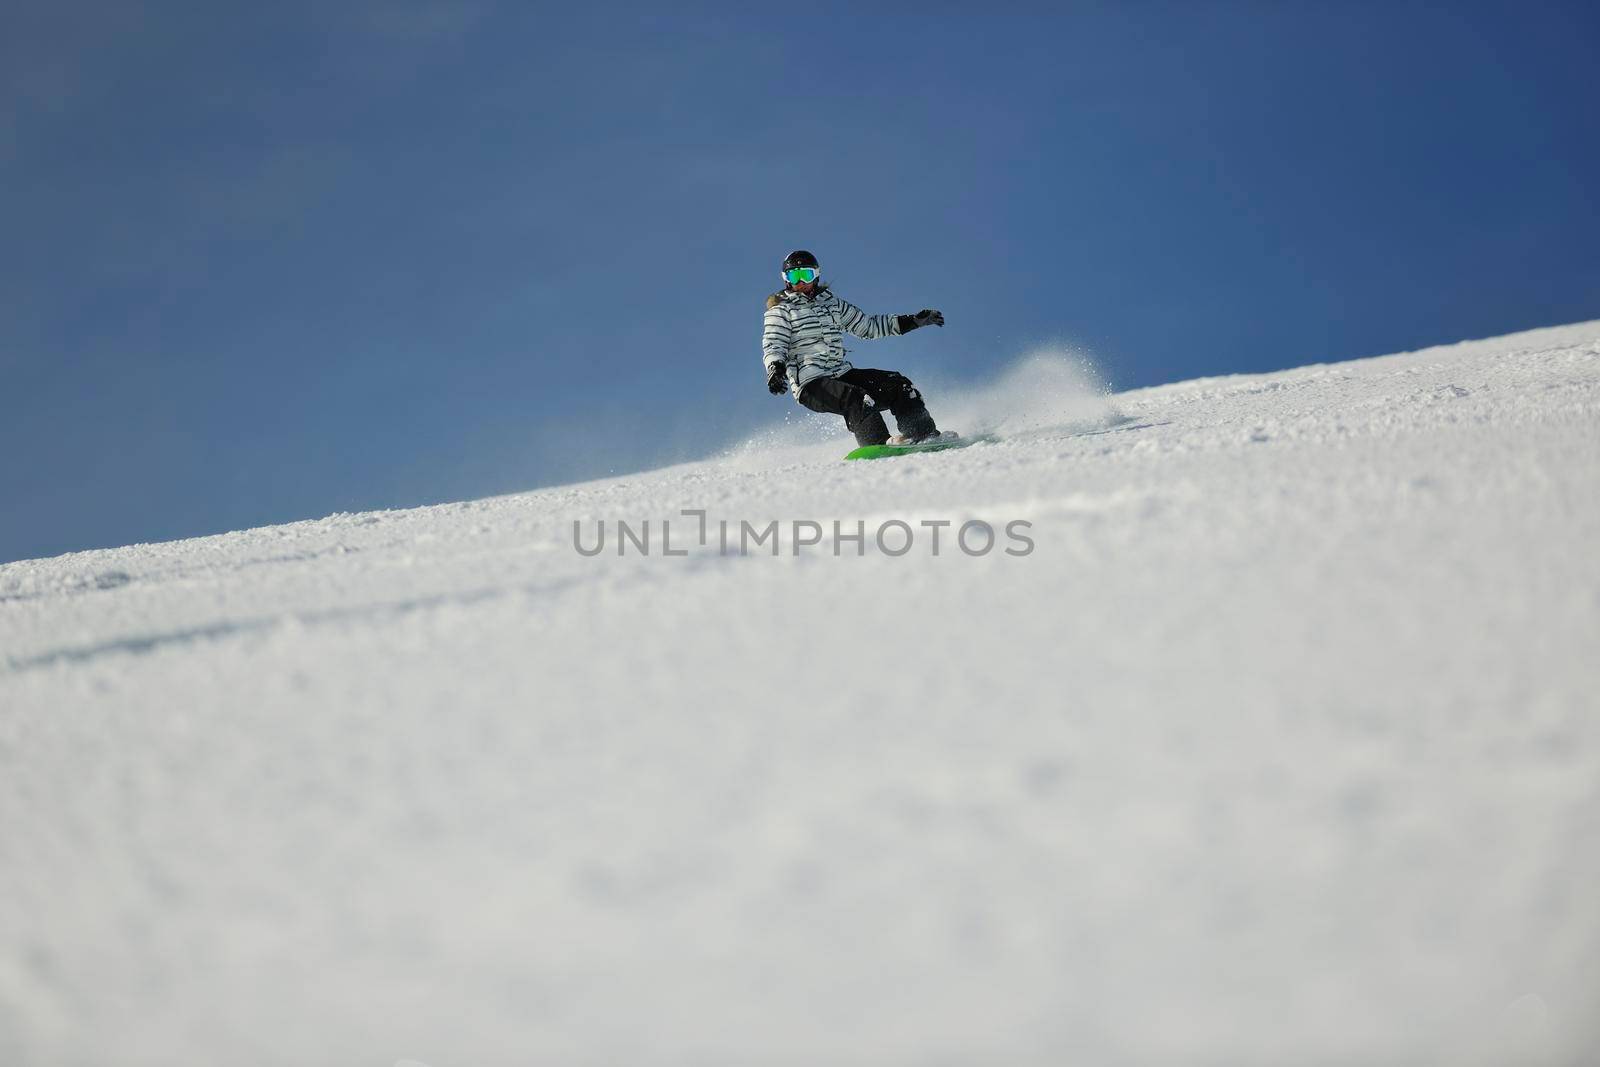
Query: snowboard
point(885, 451)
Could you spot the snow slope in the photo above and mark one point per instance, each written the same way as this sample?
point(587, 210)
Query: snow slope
point(1282, 745)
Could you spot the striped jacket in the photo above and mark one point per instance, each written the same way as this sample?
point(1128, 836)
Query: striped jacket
point(807, 334)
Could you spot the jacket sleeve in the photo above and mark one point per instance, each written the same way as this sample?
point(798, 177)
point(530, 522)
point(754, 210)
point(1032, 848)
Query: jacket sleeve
point(776, 337)
point(867, 327)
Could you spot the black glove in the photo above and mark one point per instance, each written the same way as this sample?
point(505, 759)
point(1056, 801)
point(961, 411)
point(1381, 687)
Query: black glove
point(777, 379)
point(925, 317)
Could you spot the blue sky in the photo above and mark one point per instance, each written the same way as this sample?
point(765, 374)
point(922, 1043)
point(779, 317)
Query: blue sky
point(272, 261)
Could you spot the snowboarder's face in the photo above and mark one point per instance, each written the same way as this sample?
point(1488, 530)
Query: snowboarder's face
point(802, 279)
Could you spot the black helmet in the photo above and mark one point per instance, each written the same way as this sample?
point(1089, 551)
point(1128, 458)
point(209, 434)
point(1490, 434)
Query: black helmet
point(799, 258)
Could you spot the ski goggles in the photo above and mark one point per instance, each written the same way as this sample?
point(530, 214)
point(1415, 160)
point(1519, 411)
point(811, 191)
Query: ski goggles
point(802, 275)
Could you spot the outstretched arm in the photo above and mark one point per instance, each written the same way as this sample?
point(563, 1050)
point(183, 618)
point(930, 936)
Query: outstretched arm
point(871, 327)
point(867, 327)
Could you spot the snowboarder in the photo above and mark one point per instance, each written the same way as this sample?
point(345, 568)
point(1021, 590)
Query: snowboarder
point(803, 350)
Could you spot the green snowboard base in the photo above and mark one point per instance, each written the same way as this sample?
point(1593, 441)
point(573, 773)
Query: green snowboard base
point(885, 451)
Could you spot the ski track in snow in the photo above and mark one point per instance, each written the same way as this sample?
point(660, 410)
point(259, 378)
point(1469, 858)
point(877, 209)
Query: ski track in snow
point(1281, 746)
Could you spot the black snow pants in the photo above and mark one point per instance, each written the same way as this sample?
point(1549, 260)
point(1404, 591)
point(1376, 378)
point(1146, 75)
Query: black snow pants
point(861, 394)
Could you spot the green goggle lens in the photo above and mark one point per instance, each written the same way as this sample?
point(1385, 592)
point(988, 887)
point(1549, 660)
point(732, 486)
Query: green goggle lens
point(801, 275)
